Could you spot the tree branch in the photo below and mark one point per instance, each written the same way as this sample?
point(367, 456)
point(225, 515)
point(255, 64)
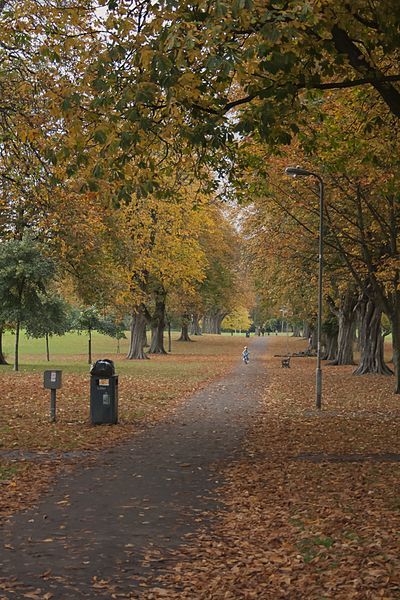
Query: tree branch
point(345, 45)
point(377, 80)
point(356, 82)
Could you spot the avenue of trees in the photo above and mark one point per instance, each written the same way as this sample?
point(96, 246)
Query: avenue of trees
point(129, 128)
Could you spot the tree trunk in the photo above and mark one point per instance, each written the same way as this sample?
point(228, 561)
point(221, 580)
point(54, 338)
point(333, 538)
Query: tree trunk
point(184, 337)
point(371, 340)
point(395, 321)
point(206, 324)
point(330, 330)
point(2, 357)
point(331, 347)
point(158, 326)
point(157, 340)
point(16, 357)
point(345, 352)
point(220, 317)
point(90, 347)
point(185, 329)
point(307, 330)
point(169, 337)
point(47, 347)
point(138, 336)
point(195, 328)
point(297, 330)
point(345, 314)
point(312, 340)
point(212, 321)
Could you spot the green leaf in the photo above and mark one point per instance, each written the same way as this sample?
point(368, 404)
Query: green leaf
point(237, 6)
point(126, 140)
point(146, 92)
point(100, 136)
point(100, 84)
point(98, 171)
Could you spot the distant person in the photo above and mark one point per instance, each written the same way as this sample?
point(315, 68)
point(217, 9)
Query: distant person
point(245, 355)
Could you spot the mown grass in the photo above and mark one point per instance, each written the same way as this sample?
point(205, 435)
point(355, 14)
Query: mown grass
point(70, 353)
point(7, 472)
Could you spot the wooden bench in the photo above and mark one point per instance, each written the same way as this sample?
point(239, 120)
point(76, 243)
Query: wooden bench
point(286, 363)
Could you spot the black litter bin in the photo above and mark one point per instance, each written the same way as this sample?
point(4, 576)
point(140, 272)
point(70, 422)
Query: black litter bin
point(103, 393)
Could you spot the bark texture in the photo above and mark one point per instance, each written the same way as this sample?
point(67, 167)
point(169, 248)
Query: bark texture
point(330, 336)
point(16, 355)
point(346, 45)
point(2, 357)
point(331, 347)
point(395, 320)
point(297, 331)
point(371, 340)
point(307, 330)
point(195, 328)
point(312, 340)
point(212, 321)
point(345, 313)
point(138, 335)
point(157, 323)
point(184, 337)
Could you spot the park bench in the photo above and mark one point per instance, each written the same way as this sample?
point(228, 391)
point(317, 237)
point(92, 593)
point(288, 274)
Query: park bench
point(286, 362)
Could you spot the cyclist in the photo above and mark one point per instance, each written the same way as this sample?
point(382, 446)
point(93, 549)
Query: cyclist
point(245, 355)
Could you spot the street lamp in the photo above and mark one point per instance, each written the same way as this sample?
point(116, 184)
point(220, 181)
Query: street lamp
point(298, 172)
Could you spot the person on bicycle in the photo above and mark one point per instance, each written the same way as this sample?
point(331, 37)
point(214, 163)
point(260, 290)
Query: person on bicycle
point(245, 355)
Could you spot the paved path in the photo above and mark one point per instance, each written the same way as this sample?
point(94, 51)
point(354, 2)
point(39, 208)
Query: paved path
point(89, 535)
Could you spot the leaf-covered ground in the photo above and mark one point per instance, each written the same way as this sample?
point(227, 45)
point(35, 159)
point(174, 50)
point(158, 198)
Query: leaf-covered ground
point(32, 449)
point(313, 508)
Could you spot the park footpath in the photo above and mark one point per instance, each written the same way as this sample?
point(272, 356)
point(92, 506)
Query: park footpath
point(109, 528)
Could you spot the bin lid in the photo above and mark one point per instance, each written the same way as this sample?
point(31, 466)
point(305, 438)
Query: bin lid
point(103, 368)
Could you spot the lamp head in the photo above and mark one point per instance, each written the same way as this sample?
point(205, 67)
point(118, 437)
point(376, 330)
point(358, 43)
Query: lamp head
point(297, 172)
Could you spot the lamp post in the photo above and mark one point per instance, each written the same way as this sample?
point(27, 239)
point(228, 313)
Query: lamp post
point(298, 172)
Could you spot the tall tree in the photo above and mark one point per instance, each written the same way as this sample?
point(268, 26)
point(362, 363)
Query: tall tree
point(53, 318)
point(371, 339)
point(25, 275)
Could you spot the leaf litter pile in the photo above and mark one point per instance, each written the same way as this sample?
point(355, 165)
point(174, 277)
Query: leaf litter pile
point(33, 450)
point(312, 510)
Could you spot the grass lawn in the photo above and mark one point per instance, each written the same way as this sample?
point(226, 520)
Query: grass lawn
point(70, 352)
point(148, 390)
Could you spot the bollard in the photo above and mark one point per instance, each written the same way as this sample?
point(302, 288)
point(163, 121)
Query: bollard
point(52, 382)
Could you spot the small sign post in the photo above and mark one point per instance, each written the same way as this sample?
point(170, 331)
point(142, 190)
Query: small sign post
point(52, 382)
